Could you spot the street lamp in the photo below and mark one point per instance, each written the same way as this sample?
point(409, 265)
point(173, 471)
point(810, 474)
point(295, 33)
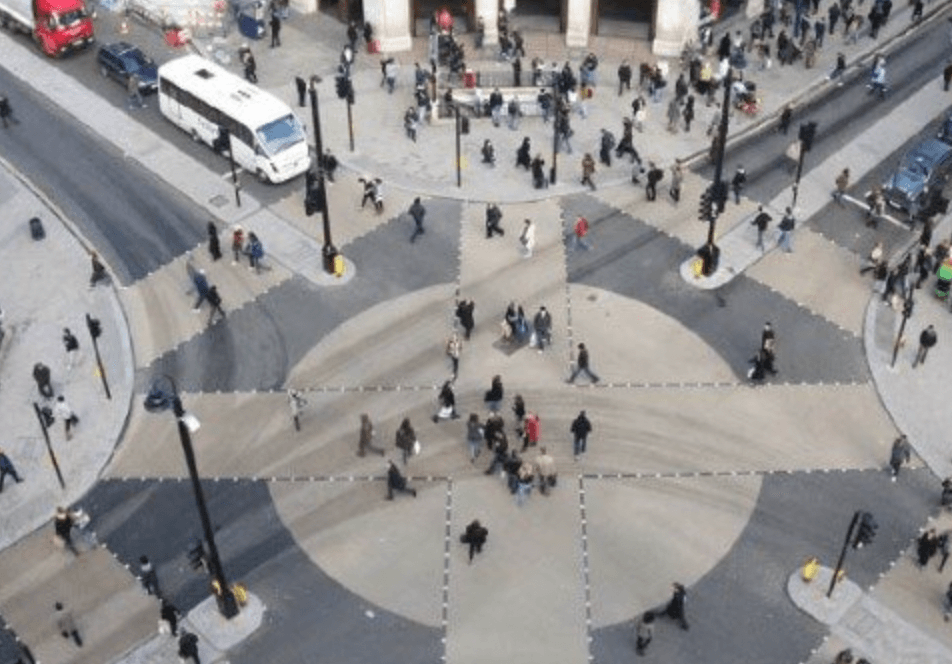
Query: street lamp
point(556, 108)
point(330, 251)
point(159, 400)
point(806, 135)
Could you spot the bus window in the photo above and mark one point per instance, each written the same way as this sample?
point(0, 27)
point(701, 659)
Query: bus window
point(280, 134)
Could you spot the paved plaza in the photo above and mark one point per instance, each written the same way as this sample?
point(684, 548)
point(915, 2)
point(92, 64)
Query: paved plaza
point(692, 474)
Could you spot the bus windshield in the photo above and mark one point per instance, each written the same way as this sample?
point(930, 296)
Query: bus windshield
point(280, 134)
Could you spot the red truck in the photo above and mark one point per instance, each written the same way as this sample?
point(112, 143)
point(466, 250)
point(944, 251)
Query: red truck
point(56, 25)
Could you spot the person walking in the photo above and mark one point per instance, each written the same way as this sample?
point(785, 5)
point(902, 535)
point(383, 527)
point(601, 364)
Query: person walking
point(527, 238)
point(447, 402)
point(397, 482)
point(688, 113)
point(188, 642)
point(579, 232)
point(475, 536)
point(474, 436)
point(786, 115)
point(787, 224)
point(464, 313)
point(624, 77)
point(926, 547)
point(927, 339)
point(275, 33)
point(255, 253)
point(901, 453)
point(644, 631)
point(581, 427)
point(677, 177)
point(494, 395)
point(842, 182)
point(98, 270)
point(493, 217)
point(214, 299)
point(406, 439)
point(531, 431)
point(760, 222)
point(675, 608)
point(301, 86)
point(66, 624)
point(654, 176)
point(366, 440)
point(200, 286)
point(524, 154)
point(417, 212)
point(41, 374)
point(588, 170)
point(237, 244)
point(738, 182)
point(214, 245)
point(542, 324)
point(582, 364)
point(71, 344)
point(170, 615)
point(454, 345)
point(7, 468)
point(545, 469)
point(6, 113)
point(63, 523)
point(947, 604)
point(63, 411)
point(148, 576)
point(132, 88)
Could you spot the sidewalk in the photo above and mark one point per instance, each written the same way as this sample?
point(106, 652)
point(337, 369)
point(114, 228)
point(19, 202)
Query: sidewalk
point(34, 328)
point(37, 307)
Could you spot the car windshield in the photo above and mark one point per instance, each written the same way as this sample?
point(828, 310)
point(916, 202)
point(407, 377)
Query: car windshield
point(280, 135)
point(915, 165)
point(72, 17)
point(135, 61)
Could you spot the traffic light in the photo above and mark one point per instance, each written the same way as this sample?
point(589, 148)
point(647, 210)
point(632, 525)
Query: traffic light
point(343, 87)
point(807, 134)
point(94, 327)
point(719, 193)
point(313, 194)
point(222, 142)
point(866, 530)
point(196, 555)
point(705, 211)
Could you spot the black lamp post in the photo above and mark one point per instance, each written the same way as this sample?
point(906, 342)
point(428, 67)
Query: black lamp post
point(556, 110)
point(159, 400)
point(715, 197)
point(459, 157)
point(806, 136)
point(330, 251)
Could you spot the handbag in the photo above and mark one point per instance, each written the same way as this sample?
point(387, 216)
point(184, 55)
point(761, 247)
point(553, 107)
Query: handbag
point(416, 447)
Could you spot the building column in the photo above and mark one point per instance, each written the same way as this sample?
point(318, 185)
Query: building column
point(578, 23)
point(303, 6)
point(676, 22)
point(391, 23)
point(488, 10)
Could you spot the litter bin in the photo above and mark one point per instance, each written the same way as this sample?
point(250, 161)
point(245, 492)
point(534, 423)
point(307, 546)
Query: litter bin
point(469, 79)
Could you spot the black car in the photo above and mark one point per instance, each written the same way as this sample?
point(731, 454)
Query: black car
point(121, 60)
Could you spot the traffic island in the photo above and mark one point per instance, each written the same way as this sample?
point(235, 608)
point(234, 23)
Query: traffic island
point(810, 596)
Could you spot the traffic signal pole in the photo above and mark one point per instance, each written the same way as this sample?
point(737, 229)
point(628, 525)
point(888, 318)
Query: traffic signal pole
point(95, 329)
point(330, 251)
point(846, 544)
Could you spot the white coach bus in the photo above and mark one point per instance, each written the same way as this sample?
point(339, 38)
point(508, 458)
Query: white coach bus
point(267, 139)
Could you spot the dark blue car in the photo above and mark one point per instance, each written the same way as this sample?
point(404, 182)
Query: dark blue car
point(121, 60)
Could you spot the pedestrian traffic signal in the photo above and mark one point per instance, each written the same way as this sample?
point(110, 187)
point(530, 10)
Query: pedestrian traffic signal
point(866, 530)
point(314, 195)
point(222, 142)
point(196, 555)
point(705, 211)
point(94, 326)
point(807, 134)
point(719, 194)
point(343, 87)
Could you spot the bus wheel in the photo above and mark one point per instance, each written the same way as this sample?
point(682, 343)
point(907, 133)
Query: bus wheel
point(195, 136)
point(262, 176)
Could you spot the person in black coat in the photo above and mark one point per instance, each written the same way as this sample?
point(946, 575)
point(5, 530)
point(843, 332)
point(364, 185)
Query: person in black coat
point(675, 608)
point(397, 482)
point(464, 312)
point(214, 246)
point(523, 154)
point(475, 536)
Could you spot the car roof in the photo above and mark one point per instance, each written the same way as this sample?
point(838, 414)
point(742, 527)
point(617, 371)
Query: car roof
point(118, 48)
